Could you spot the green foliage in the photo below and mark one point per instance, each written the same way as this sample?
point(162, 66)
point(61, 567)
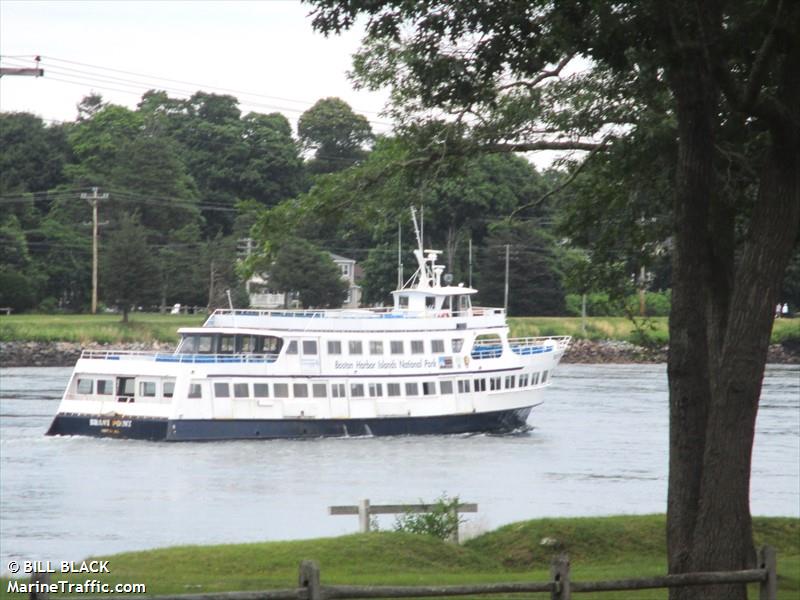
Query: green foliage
point(301, 268)
point(335, 133)
point(33, 155)
point(657, 304)
point(129, 268)
point(442, 521)
point(16, 291)
point(534, 278)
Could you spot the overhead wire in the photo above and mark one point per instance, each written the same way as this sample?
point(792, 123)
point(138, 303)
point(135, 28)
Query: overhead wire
point(104, 81)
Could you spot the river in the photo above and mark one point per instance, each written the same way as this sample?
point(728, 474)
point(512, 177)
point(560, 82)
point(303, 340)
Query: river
point(599, 446)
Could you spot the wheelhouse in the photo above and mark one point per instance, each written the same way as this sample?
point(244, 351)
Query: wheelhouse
point(199, 341)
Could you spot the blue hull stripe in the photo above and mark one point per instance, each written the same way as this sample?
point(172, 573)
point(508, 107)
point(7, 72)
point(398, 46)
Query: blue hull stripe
point(253, 429)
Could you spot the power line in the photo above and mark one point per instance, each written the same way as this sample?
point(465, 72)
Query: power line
point(106, 82)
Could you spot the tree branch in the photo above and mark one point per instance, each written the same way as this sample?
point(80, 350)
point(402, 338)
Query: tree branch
point(542, 145)
point(555, 72)
point(558, 188)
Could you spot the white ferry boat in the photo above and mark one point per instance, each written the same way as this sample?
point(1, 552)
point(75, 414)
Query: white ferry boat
point(430, 364)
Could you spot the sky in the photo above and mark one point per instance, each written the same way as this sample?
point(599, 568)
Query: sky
point(263, 52)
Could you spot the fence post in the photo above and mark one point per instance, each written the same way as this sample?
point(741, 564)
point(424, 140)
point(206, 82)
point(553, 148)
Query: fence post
point(39, 580)
point(453, 538)
point(559, 574)
point(309, 579)
point(767, 559)
point(363, 516)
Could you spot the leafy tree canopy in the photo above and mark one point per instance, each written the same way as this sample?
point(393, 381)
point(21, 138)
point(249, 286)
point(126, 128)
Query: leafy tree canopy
point(335, 133)
point(302, 268)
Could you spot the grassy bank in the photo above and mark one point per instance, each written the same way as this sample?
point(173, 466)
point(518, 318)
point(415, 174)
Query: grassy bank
point(599, 548)
point(147, 327)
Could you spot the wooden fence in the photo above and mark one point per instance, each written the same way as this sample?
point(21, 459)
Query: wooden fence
point(559, 586)
point(364, 510)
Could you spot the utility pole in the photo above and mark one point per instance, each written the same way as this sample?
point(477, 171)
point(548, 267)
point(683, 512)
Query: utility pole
point(505, 302)
point(470, 262)
point(93, 201)
point(25, 71)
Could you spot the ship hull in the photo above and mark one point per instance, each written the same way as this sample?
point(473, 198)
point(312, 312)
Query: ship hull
point(504, 421)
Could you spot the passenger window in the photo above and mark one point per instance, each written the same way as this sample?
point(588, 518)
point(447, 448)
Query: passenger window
point(429, 388)
point(227, 344)
point(292, 347)
point(261, 390)
point(241, 390)
point(437, 346)
point(412, 389)
point(480, 385)
point(354, 347)
point(334, 347)
point(463, 386)
point(430, 302)
point(393, 389)
point(247, 344)
point(300, 390)
point(221, 390)
point(494, 383)
point(357, 390)
point(205, 344)
point(281, 390)
point(147, 389)
point(309, 347)
point(457, 344)
point(105, 387)
point(195, 390)
point(168, 389)
point(509, 381)
point(375, 390)
point(376, 347)
point(446, 387)
point(337, 390)
point(84, 386)
point(417, 347)
point(544, 377)
point(396, 347)
point(319, 390)
point(125, 386)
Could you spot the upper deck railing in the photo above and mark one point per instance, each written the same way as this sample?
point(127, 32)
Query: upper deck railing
point(354, 313)
point(535, 345)
point(522, 346)
point(178, 358)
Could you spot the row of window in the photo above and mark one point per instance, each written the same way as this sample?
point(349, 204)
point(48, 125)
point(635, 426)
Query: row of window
point(377, 347)
point(368, 390)
point(126, 388)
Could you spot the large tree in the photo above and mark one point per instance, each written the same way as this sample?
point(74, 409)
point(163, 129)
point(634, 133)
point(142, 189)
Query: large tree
point(301, 268)
point(129, 270)
point(728, 68)
point(335, 133)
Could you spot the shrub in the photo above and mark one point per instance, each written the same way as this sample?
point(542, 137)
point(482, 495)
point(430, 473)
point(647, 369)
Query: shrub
point(441, 522)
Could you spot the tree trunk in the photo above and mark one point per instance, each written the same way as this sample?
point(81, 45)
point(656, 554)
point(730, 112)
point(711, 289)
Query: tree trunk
point(687, 365)
point(720, 321)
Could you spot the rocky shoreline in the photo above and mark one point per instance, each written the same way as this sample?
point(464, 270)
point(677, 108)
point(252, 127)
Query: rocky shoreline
point(65, 354)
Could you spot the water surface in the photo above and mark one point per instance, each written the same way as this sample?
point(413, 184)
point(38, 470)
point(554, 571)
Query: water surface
point(599, 446)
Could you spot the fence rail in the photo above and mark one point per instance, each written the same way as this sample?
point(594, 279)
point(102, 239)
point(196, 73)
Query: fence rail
point(559, 586)
point(364, 510)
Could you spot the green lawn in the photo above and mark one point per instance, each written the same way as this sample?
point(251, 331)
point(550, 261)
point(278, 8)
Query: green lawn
point(599, 548)
point(148, 327)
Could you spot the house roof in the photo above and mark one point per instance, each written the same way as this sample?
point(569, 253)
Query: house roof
point(341, 258)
